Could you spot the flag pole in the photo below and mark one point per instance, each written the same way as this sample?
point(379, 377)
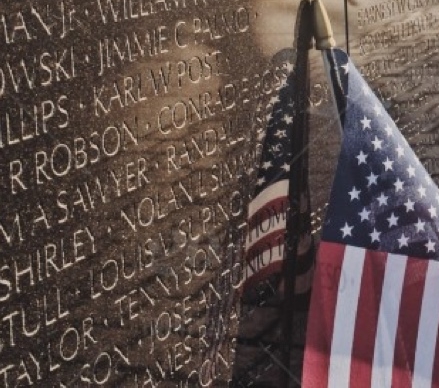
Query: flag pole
point(323, 33)
point(296, 182)
point(325, 42)
point(314, 21)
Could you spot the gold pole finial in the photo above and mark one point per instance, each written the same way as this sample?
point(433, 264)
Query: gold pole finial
point(322, 27)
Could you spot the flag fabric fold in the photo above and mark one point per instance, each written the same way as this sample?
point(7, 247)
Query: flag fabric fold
point(374, 312)
point(269, 212)
point(269, 209)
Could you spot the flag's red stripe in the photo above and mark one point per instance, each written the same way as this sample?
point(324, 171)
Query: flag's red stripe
point(408, 322)
point(262, 274)
point(303, 281)
point(276, 207)
point(271, 241)
point(367, 319)
point(435, 376)
point(321, 315)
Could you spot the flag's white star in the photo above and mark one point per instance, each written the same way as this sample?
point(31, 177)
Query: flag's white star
point(378, 110)
point(375, 235)
point(430, 246)
point(382, 200)
point(346, 68)
point(403, 241)
point(377, 144)
point(261, 181)
point(389, 130)
point(361, 158)
point(371, 179)
point(399, 184)
point(288, 119)
point(267, 165)
point(421, 191)
point(411, 171)
point(274, 99)
point(354, 193)
point(286, 167)
point(346, 230)
point(250, 171)
point(366, 123)
point(290, 67)
point(433, 211)
point(392, 220)
point(364, 215)
point(400, 151)
point(281, 133)
point(420, 226)
point(276, 148)
point(388, 164)
point(409, 206)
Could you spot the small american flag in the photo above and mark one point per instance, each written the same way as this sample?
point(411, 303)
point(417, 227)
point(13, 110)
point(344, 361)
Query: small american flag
point(269, 210)
point(374, 311)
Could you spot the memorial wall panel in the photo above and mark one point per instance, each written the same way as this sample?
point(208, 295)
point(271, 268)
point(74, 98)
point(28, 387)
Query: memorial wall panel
point(126, 132)
point(130, 132)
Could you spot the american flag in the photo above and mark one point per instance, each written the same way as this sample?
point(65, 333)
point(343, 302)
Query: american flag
point(269, 210)
point(374, 311)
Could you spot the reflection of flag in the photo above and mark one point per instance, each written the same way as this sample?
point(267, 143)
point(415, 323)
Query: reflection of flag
point(268, 211)
point(375, 306)
point(279, 251)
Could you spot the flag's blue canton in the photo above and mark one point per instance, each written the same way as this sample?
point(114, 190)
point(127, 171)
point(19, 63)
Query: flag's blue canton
point(276, 152)
point(382, 197)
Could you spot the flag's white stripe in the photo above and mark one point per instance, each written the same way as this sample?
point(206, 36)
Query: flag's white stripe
point(382, 367)
point(267, 227)
point(345, 317)
point(428, 327)
point(267, 257)
point(303, 282)
point(276, 190)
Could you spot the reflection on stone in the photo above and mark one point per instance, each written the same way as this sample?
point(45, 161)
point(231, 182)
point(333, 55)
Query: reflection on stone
point(129, 134)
